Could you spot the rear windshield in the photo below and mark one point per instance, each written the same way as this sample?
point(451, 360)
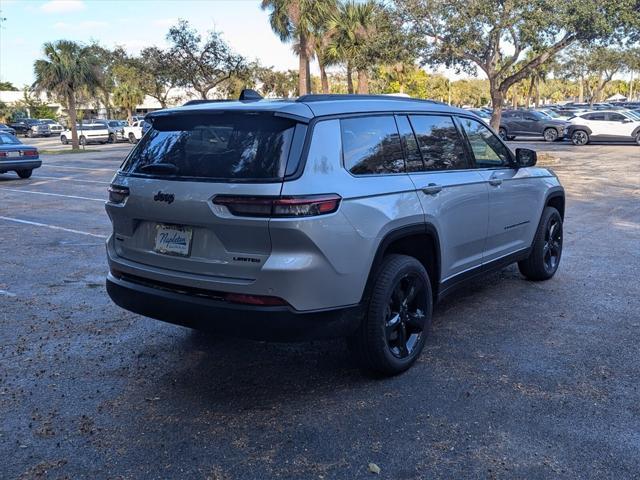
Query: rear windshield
point(215, 146)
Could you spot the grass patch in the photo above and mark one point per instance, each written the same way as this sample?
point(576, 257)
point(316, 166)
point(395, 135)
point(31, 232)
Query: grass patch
point(60, 152)
point(547, 159)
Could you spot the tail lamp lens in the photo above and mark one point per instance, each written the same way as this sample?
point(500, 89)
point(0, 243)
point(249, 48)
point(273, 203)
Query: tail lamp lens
point(280, 207)
point(117, 193)
point(29, 153)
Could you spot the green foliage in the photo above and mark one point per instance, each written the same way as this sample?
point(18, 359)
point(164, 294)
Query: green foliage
point(8, 86)
point(472, 34)
point(201, 63)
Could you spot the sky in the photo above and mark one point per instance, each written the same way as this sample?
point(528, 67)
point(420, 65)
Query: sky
point(134, 24)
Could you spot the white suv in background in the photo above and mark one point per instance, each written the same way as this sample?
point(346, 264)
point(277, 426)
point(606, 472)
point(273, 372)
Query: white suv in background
point(604, 125)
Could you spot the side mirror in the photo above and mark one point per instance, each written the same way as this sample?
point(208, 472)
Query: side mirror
point(525, 157)
point(627, 120)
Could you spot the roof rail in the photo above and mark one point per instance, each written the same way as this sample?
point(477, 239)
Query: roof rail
point(322, 97)
point(200, 101)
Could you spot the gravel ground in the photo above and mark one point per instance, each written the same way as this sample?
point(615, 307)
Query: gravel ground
point(518, 380)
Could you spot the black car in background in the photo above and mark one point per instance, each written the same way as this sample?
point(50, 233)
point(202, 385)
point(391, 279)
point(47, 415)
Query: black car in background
point(529, 123)
point(30, 127)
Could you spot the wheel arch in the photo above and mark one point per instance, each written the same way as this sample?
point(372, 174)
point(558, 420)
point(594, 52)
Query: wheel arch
point(573, 128)
point(420, 241)
point(556, 200)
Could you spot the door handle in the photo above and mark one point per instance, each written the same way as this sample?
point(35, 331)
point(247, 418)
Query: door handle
point(432, 189)
point(495, 182)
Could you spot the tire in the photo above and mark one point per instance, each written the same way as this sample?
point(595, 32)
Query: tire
point(396, 325)
point(132, 138)
point(29, 134)
point(546, 251)
point(83, 140)
point(511, 137)
point(550, 135)
point(64, 140)
point(579, 138)
point(24, 173)
point(502, 132)
point(112, 138)
point(638, 138)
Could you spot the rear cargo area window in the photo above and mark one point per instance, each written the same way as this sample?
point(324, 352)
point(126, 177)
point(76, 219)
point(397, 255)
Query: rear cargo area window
point(215, 146)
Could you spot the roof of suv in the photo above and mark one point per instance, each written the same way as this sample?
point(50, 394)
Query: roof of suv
point(309, 106)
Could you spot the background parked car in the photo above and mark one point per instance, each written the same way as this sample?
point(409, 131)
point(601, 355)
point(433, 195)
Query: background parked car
point(87, 133)
point(134, 132)
point(115, 128)
point(529, 123)
point(14, 156)
point(54, 127)
point(6, 129)
point(30, 127)
point(480, 113)
point(604, 125)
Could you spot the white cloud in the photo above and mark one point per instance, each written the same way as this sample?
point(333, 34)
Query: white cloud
point(80, 26)
point(63, 6)
point(164, 22)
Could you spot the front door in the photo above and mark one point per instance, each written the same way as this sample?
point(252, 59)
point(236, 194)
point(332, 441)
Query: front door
point(513, 194)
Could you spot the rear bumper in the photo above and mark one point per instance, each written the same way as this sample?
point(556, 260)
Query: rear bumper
point(246, 321)
point(7, 165)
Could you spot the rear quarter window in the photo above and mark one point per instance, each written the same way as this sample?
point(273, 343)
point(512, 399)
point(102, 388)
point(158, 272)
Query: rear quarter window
point(216, 146)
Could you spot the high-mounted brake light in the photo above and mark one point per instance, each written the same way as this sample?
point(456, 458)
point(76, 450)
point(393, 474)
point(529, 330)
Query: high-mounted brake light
point(117, 193)
point(281, 207)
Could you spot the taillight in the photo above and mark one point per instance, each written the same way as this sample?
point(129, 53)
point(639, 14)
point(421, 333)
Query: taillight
point(282, 207)
point(118, 193)
point(3, 154)
point(29, 153)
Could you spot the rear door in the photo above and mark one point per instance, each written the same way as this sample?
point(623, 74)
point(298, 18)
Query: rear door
point(170, 220)
point(453, 196)
point(514, 194)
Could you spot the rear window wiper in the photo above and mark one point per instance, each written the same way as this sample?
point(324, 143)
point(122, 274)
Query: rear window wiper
point(163, 168)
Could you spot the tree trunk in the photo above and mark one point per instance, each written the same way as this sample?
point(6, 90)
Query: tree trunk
point(497, 98)
point(73, 118)
point(130, 115)
point(581, 90)
point(363, 82)
point(630, 96)
point(304, 82)
point(324, 80)
point(349, 78)
point(530, 92)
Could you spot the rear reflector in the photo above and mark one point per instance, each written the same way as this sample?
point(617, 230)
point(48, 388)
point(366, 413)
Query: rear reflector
point(281, 207)
point(254, 299)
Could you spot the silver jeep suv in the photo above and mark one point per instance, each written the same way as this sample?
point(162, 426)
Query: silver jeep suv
point(325, 216)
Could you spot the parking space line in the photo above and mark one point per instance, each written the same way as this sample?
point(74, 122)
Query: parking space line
point(69, 179)
point(3, 189)
point(53, 165)
point(53, 227)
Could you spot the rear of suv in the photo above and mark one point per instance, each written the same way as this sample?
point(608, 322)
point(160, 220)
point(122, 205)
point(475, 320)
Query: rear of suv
point(325, 216)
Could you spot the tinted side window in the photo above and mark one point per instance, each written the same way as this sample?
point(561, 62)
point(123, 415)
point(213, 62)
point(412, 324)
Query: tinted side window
point(488, 150)
point(594, 116)
point(615, 117)
point(411, 150)
point(371, 145)
point(439, 142)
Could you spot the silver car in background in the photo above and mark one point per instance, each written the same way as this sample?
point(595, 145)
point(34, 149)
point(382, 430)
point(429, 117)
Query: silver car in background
point(325, 216)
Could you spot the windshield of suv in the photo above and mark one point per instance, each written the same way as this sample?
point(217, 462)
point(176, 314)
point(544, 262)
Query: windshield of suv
point(633, 114)
point(223, 146)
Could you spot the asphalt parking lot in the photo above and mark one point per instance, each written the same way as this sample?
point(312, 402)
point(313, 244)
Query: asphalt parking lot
point(518, 380)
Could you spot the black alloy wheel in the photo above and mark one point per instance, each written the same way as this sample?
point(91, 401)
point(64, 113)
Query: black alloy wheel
point(552, 244)
point(580, 137)
point(406, 316)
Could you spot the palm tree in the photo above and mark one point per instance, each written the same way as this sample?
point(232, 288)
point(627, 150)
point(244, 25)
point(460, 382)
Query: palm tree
point(69, 67)
point(297, 20)
point(353, 29)
point(128, 96)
